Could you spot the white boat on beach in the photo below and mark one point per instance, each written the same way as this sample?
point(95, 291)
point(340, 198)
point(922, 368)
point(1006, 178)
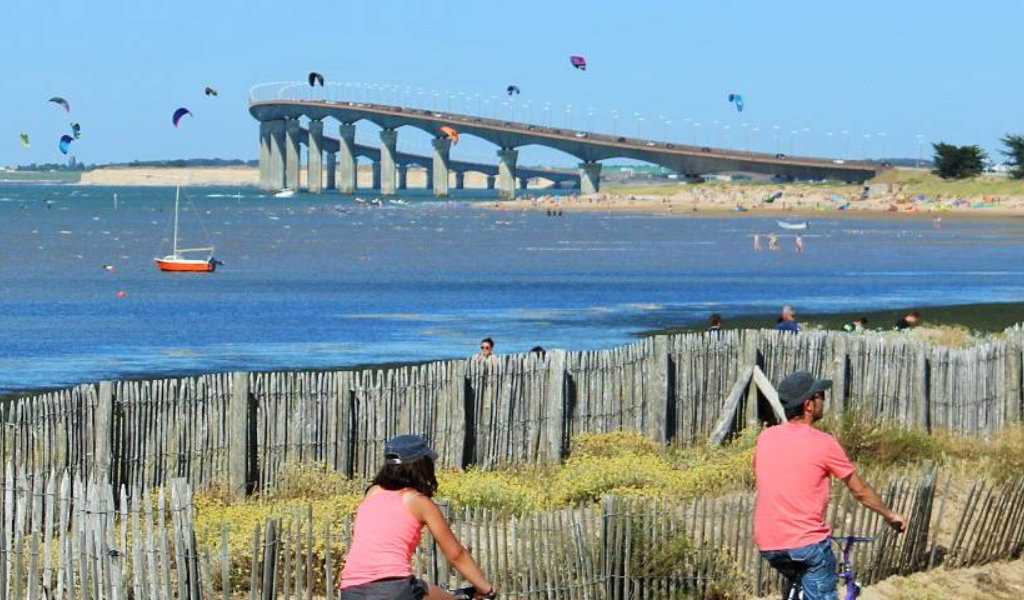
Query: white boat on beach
point(795, 225)
point(285, 194)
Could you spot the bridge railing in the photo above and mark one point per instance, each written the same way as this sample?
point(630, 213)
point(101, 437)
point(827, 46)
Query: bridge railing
point(396, 98)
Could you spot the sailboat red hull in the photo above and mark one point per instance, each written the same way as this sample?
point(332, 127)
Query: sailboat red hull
point(186, 266)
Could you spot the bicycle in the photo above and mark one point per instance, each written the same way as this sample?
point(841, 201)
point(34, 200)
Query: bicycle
point(793, 571)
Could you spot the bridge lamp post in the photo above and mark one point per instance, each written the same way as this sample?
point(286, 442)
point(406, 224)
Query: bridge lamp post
point(697, 133)
point(668, 129)
point(881, 143)
point(846, 143)
point(920, 149)
point(828, 134)
point(777, 137)
point(615, 123)
point(639, 125)
point(725, 134)
point(755, 131)
point(867, 138)
point(568, 116)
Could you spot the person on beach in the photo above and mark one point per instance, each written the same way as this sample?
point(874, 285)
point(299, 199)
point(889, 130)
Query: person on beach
point(856, 326)
point(716, 323)
point(787, 320)
point(486, 350)
point(388, 526)
point(909, 321)
point(793, 466)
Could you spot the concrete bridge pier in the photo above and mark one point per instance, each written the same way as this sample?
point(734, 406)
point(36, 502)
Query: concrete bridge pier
point(332, 169)
point(460, 180)
point(507, 173)
point(292, 153)
point(430, 179)
point(347, 158)
point(275, 180)
point(403, 177)
point(315, 168)
point(490, 182)
point(590, 177)
point(388, 171)
point(264, 155)
point(438, 175)
point(523, 182)
point(375, 178)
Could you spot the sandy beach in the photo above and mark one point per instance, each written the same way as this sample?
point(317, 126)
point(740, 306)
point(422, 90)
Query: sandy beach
point(750, 200)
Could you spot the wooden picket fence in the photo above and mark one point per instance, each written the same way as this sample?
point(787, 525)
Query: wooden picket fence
point(65, 538)
point(243, 428)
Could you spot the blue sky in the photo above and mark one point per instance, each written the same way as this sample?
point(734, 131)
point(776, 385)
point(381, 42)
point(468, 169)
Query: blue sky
point(946, 71)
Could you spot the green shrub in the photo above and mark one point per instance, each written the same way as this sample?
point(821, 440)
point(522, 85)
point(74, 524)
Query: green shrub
point(512, 492)
point(617, 443)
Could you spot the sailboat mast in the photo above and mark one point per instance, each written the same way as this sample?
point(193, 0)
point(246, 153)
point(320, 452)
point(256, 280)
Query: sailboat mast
point(177, 195)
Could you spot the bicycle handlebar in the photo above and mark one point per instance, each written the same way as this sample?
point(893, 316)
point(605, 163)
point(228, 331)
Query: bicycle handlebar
point(469, 593)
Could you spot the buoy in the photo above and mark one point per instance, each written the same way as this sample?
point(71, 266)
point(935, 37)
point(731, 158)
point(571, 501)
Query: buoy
point(122, 294)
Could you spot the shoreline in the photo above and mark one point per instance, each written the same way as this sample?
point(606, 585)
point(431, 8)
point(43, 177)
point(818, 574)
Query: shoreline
point(986, 318)
point(723, 206)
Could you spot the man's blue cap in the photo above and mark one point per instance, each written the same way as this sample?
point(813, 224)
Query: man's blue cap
point(407, 448)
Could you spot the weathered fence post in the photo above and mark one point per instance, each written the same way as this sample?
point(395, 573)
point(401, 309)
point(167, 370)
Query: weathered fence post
point(1014, 380)
point(555, 405)
point(238, 434)
point(104, 423)
point(840, 370)
point(922, 376)
point(750, 355)
point(656, 425)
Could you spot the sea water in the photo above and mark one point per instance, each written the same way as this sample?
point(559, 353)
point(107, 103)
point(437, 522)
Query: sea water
point(323, 281)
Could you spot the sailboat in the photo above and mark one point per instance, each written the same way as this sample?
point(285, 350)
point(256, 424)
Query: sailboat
point(175, 261)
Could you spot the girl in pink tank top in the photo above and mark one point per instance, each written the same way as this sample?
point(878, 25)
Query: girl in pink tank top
point(388, 526)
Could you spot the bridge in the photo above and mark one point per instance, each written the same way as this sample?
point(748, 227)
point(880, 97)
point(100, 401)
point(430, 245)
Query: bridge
point(279, 108)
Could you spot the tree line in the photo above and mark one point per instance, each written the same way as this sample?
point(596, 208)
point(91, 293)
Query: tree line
point(960, 162)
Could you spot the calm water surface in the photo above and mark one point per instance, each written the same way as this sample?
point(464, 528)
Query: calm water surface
point(317, 281)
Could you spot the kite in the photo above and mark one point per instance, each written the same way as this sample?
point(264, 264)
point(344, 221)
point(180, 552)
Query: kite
point(76, 130)
point(579, 62)
point(737, 100)
point(512, 89)
point(315, 78)
point(179, 114)
point(210, 91)
point(452, 134)
point(65, 143)
point(62, 102)
point(25, 141)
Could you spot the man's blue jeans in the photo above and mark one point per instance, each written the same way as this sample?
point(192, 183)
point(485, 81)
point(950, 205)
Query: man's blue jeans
point(818, 564)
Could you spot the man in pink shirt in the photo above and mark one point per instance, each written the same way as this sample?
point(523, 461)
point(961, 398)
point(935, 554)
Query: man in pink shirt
point(793, 465)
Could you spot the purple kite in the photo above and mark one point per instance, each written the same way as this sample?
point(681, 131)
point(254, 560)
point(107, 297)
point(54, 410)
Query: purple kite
point(179, 114)
point(579, 62)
